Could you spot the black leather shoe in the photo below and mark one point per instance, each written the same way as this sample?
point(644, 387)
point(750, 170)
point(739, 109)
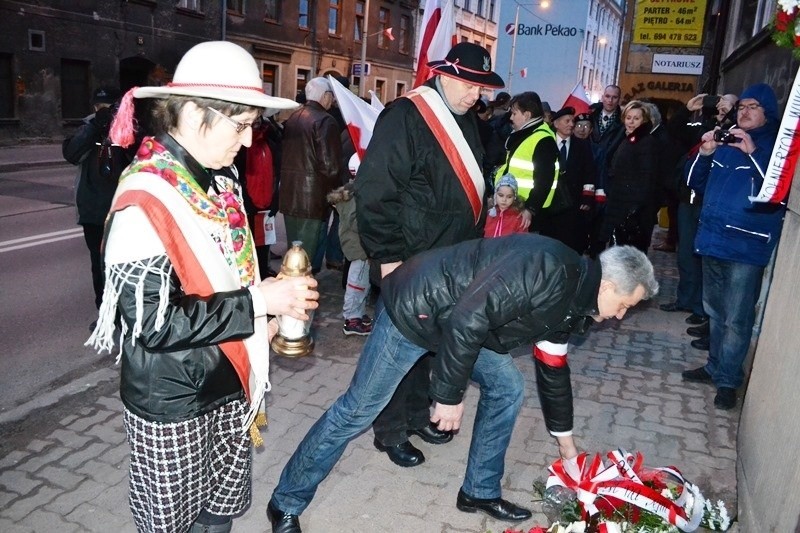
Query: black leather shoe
point(725, 398)
point(497, 508)
point(696, 320)
point(701, 344)
point(672, 307)
point(282, 522)
point(403, 454)
point(703, 330)
point(432, 435)
point(697, 375)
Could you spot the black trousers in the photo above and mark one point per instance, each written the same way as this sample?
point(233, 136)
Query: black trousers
point(409, 408)
point(93, 235)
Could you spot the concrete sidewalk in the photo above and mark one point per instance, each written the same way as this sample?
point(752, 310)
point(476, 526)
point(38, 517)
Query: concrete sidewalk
point(64, 466)
point(26, 156)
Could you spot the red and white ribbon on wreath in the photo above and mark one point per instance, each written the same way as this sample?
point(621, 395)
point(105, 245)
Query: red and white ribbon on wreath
point(620, 481)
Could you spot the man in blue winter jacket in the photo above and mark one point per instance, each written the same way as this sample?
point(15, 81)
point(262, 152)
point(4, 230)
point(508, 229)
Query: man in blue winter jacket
point(735, 237)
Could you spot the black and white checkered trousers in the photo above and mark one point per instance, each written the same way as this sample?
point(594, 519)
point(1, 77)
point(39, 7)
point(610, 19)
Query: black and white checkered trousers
point(178, 469)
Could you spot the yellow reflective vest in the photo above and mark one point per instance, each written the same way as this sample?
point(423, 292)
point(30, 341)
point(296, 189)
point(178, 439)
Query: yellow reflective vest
point(520, 164)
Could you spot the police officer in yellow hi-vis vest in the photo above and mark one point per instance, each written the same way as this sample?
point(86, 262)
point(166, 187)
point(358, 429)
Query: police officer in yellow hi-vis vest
point(532, 156)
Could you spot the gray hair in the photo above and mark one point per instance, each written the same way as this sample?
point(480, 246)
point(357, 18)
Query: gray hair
point(316, 88)
point(627, 267)
point(655, 114)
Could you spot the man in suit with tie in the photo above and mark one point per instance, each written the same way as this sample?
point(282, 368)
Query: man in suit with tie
point(576, 185)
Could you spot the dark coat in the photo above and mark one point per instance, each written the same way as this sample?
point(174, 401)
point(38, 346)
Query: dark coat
point(408, 197)
point(605, 144)
point(571, 225)
point(732, 228)
point(310, 163)
point(179, 371)
point(499, 294)
point(633, 181)
point(94, 189)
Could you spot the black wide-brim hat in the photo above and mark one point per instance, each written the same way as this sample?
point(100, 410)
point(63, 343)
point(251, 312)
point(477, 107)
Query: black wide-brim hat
point(470, 63)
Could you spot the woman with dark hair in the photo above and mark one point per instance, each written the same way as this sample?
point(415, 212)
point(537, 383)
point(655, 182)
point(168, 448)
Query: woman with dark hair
point(532, 155)
point(183, 278)
point(633, 186)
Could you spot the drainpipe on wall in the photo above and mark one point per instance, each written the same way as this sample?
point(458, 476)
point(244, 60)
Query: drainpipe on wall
point(224, 20)
point(723, 11)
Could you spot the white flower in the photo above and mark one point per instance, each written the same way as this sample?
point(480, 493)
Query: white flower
point(789, 5)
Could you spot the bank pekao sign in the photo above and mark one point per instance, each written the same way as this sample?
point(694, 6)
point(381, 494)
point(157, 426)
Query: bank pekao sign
point(677, 64)
point(545, 43)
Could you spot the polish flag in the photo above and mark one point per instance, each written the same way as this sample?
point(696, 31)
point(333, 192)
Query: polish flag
point(577, 99)
point(359, 115)
point(436, 38)
point(374, 101)
point(523, 73)
point(388, 34)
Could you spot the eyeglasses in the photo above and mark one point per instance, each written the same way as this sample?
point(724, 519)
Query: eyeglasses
point(583, 125)
point(748, 107)
point(238, 126)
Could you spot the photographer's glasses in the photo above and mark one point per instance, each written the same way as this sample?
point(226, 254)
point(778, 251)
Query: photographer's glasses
point(239, 126)
point(748, 107)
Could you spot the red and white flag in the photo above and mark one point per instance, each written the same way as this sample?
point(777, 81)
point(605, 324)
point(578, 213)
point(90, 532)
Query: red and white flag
point(359, 116)
point(374, 101)
point(388, 34)
point(577, 99)
point(523, 73)
point(436, 38)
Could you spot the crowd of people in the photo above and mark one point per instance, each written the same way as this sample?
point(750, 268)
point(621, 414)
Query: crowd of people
point(479, 225)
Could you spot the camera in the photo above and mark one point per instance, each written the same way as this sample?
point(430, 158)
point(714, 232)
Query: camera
point(711, 100)
point(725, 137)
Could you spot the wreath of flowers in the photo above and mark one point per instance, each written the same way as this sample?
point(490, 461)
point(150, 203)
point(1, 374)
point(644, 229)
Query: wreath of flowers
point(786, 26)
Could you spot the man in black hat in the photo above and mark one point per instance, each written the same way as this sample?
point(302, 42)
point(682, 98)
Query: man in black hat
point(410, 198)
point(419, 187)
point(567, 218)
point(100, 167)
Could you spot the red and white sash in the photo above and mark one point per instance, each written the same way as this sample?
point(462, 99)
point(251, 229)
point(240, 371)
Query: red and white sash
point(451, 139)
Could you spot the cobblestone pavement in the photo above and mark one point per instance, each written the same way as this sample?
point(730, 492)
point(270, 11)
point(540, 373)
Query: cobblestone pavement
point(63, 467)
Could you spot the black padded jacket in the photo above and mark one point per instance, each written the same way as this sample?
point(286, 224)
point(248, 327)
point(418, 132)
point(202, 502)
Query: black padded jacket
point(498, 294)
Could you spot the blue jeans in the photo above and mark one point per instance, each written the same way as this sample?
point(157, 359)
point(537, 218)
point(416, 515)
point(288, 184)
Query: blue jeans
point(386, 358)
point(730, 293)
point(690, 270)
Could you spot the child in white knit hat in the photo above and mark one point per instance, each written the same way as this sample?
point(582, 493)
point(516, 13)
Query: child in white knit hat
point(505, 217)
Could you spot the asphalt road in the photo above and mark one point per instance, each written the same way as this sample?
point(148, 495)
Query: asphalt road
point(46, 299)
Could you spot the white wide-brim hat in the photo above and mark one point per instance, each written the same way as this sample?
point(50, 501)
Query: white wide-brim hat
point(219, 70)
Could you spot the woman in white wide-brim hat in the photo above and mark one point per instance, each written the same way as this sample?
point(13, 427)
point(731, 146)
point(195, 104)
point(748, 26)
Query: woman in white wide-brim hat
point(182, 275)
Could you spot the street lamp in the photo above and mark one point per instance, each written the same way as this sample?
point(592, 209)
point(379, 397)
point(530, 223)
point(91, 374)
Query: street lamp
point(544, 4)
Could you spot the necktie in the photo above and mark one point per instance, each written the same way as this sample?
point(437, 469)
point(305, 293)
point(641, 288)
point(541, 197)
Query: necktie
point(562, 156)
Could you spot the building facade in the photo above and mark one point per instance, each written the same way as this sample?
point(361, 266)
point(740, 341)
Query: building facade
point(54, 54)
point(599, 60)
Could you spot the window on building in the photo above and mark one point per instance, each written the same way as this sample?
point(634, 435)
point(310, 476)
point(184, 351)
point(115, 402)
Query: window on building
point(405, 36)
point(36, 41)
point(272, 10)
point(75, 90)
point(383, 25)
point(380, 87)
point(303, 75)
point(467, 5)
point(237, 7)
point(492, 7)
point(334, 20)
point(191, 5)
point(358, 30)
point(479, 8)
point(269, 77)
point(302, 16)
point(399, 89)
point(464, 39)
point(763, 15)
point(6, 86)
point(488, 48)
